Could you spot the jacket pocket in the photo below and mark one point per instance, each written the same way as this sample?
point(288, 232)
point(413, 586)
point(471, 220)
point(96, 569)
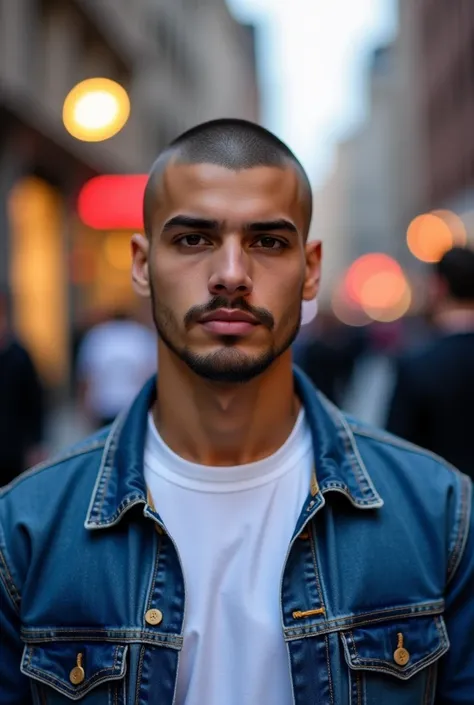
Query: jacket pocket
point(395, 662)
point(89, 672)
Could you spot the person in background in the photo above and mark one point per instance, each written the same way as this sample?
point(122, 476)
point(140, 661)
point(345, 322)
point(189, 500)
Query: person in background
point(114, 360)
point(433, 399)
point(22, 404)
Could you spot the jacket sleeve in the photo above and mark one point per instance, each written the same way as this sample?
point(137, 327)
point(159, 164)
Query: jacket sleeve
point(456, 673)
point(14, 686)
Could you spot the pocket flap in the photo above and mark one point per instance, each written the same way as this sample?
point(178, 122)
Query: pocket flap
point(53, 663)
point(400, 648)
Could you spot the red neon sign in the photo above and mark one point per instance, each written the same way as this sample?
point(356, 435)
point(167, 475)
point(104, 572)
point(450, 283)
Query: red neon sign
point(113, 202)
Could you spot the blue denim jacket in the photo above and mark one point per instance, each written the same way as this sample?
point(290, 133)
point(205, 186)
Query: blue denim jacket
point(377, 593)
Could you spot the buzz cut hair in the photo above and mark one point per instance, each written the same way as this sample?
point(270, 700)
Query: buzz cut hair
point(231, 143)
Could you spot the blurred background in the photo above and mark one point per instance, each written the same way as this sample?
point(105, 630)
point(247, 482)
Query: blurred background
point(376, 97)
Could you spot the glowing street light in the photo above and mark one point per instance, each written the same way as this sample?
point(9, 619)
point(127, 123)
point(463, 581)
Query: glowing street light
point(96, 109)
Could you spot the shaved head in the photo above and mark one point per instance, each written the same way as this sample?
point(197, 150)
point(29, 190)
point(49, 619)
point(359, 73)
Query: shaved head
point(229, 143)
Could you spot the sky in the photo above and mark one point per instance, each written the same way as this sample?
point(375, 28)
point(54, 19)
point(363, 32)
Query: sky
point(312, 56)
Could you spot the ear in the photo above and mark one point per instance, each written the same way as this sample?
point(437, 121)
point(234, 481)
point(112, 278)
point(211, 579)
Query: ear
point(313, 252)
point(140, 265)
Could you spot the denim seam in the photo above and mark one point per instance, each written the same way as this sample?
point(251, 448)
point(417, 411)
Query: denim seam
point(139, 675)
point(463, 527)
point(46, 678)
point(53, 631)
point(405, 675)
point(292, 633)
point(112, 520)
point(360, 472)
point(418, 608)
point(431, 684)
point(331, 691)
point(362, 662)
point(31, 668)
point(105, 469)
point(10, 587)
point(379, 435)
point(170, 642)
point(155, 572)
point(312, 540)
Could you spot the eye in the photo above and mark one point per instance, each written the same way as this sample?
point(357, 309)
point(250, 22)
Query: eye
point(192, 240)
point(267, 242)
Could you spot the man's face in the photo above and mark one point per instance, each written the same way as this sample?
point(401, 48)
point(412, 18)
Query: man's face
point(227, 267)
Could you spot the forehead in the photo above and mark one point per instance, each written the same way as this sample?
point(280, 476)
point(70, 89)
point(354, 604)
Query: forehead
point(246, 194)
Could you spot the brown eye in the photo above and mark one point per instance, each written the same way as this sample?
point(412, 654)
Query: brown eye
point(192, 240)
point(270, 243)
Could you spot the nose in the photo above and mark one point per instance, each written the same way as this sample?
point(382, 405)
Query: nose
point(230, 271)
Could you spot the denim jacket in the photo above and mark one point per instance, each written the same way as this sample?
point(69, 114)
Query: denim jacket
point(377, 591)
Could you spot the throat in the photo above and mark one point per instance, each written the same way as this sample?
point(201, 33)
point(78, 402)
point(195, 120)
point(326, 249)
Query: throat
point(213, 425)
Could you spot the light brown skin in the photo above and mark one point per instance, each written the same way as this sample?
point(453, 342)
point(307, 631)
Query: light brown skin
point(204, 421)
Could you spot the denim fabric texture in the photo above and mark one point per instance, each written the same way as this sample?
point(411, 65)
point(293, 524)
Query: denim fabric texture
point(377, 592)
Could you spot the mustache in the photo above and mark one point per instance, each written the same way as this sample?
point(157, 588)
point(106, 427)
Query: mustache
point(262, 315)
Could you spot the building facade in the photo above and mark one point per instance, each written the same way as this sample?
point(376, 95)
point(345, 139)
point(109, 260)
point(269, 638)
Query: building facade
point(181, 62)
point(446, 86)
point(377, 186)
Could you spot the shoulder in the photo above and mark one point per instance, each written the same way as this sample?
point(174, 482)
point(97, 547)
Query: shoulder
point(57, 471)
point(417, 483)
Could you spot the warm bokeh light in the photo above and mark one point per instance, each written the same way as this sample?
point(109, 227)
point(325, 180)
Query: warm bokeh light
point(346, 310)
point(431, 235)
point(364, 268)
point(113, 202)
point(383, 290)
point(117, 251)
point(96, 109)
point(374, 287)
point(389, 314)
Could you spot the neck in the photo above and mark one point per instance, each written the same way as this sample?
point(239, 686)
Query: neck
point(224, 424)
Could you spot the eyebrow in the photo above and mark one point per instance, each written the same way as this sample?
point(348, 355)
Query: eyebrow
point(280, 224)
point(188, 221)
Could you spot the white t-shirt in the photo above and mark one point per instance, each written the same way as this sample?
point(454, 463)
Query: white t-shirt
point(115, 359)
point(232, 527)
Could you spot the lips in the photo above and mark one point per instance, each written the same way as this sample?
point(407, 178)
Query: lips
point(229, 316)
point(229, 322)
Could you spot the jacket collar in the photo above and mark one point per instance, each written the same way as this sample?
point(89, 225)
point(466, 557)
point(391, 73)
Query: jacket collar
point(120, 482)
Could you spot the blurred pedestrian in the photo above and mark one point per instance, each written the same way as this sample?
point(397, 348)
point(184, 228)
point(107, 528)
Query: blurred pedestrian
point(235, 539)
point(433, 401)
point(22, 407)
point(115, 358)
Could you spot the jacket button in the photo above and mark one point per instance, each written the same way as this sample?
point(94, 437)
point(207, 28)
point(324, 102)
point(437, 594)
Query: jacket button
point(154, 617)
point(77, 674)
point(401, 657)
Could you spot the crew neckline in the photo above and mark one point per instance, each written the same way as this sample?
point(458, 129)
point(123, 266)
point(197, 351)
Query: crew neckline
point(160, 459)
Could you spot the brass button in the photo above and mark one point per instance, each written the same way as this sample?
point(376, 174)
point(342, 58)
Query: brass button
point(77, 674)
point(401, 656)
point(154, 617)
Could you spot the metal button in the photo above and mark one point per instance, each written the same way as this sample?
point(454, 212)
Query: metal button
point(401, 655)
point(154, 617)
point(77, 674)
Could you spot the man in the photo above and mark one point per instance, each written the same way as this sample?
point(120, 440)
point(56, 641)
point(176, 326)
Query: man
point(21, 404)
point(432, 404)
point(233, 538)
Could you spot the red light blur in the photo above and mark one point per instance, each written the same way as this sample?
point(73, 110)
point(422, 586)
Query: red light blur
point(113, 202)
